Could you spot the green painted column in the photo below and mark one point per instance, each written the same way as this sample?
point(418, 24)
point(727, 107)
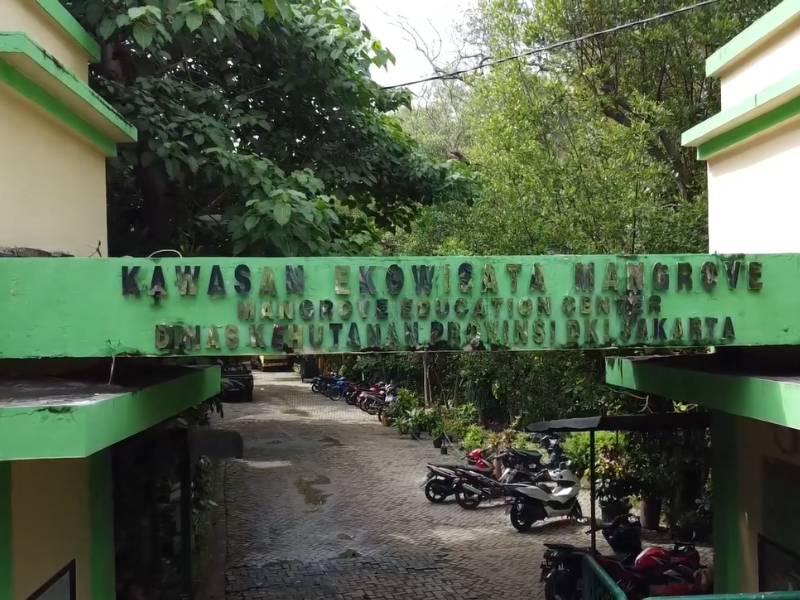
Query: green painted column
point(726, 505)
point(101, 505)
point(6, 555)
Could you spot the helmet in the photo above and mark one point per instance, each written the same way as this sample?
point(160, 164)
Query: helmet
point(651, 559)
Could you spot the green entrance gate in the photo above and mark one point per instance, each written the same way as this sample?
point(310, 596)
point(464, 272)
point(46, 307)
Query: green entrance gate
point(70, 307)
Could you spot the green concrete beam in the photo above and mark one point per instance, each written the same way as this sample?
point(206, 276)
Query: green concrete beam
point(772, 400)
point(70, 26)
point(770, 25)
point(80, 430)
point(71, 307)
point(30, 71)
point(753, 116)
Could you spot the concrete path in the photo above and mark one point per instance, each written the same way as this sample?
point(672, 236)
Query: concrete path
point(327, 503)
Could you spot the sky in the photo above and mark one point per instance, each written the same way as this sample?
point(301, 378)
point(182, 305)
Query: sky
point(426, 16)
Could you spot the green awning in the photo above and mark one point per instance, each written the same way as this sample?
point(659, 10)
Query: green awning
point(74, 418)
point(755, 385)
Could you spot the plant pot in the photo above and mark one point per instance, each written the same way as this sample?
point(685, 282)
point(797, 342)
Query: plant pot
point(612, 510)
point(650, 510)
point(438, 441)
point(385, 420)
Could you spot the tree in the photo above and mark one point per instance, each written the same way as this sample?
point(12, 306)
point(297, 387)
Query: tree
point(577, 151)
point(261, 130)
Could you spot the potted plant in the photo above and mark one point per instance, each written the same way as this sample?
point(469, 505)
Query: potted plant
point(613, 483)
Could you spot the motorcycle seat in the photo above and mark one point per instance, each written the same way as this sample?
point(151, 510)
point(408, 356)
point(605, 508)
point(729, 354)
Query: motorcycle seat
point(562, 547)
point(462, 467)
point(531, 455)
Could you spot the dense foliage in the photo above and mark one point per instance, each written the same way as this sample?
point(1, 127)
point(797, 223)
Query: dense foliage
point(261, 131)
point(578, 151)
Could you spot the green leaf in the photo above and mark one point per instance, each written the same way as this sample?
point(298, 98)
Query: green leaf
point(194, 20)
point(251, 222)
point(137, 12)
point(106, 28)
point(282, 213)
point(143, 34)
point(258, 14)
point(217, 15)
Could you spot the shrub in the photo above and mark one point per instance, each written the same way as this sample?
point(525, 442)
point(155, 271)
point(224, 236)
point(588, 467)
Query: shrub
point(456, 421)
point(405, 403)
point(475, 437)
point(576, 448)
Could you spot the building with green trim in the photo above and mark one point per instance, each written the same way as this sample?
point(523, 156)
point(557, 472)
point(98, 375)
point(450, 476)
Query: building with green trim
point(752, 149)
point(61, 420)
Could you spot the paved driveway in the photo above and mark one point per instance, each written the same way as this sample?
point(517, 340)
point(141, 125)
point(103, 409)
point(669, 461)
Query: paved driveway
point(328, 504)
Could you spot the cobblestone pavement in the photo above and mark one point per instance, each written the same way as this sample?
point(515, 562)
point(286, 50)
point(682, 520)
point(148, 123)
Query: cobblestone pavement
point(327, 503)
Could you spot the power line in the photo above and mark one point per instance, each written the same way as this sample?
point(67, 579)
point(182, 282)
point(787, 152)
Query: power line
point(556, 45)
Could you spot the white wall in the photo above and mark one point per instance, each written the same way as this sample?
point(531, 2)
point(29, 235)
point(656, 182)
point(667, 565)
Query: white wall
point(775, 60)
point(754, 195)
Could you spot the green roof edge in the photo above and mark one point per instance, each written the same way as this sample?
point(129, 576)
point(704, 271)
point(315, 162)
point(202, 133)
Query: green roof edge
point(751, 37)
point(20, 43)
point(84, 429)
point(71, 27)
point(790, 86)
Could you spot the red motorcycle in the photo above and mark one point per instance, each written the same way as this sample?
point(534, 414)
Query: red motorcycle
point(638, 572)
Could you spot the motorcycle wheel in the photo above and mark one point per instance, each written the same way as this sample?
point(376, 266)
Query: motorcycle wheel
point(519, 520)
point(315, 388)
point(576, 514)
point(434, 493)
point(466, 499)
point(560, 585)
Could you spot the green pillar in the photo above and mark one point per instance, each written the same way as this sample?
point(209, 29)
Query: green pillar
point(726, 505)
point(101, 505)
point(6, 554)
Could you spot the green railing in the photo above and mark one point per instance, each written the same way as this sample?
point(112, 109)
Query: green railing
point(598, 585)
point(755, 596)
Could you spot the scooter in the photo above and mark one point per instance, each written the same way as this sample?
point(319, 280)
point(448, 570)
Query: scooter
point(553, 493)
point(388, 400)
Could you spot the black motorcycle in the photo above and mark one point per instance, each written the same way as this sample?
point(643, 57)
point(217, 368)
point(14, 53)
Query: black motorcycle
point(472, 488)
point(440, 482)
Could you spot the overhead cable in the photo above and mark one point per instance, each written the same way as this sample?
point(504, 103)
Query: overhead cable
point(556, 45)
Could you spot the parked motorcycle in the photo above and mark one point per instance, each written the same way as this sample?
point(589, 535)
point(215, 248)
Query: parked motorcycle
point(388, 400)
point(472, 488)
point(635, 570)
point(321, 384)
point(440, 482)
point(553, 493)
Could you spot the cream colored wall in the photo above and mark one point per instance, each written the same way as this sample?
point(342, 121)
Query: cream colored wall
point(775, 60)
point(27, 17)
point(754, 196)
point(756, 443)
point(52, 183)
point(50, 523)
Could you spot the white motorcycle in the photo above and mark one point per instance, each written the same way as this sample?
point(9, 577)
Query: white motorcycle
point(554, 493)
